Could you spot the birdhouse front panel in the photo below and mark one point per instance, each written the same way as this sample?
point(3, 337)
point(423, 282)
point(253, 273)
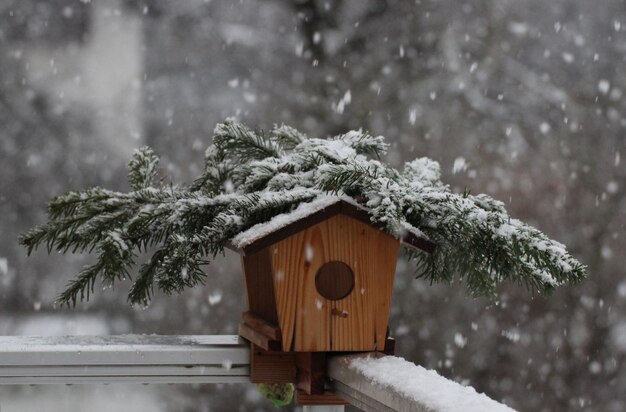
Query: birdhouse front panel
point(333, 283)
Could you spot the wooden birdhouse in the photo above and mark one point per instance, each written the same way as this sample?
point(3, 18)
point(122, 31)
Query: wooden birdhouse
point(319, 280)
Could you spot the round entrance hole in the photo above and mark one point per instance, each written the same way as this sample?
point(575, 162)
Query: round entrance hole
point(334, 280)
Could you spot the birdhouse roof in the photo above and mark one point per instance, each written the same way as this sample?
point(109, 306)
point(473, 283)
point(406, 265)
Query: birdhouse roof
point(306, 215)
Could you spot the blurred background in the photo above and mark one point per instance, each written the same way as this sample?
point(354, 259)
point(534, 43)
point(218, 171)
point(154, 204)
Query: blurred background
point(523, 100)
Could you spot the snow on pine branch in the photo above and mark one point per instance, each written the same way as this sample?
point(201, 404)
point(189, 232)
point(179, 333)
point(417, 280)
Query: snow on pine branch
point(254, 182)
point(143, 168)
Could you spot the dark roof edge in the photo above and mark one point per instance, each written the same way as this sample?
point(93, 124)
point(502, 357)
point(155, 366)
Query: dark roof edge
point(410, 239)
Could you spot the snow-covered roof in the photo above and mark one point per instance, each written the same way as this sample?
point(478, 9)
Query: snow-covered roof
point(308, 214)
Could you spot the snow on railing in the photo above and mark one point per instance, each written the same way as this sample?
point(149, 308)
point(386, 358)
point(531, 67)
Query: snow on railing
point(369, 382)
point(126, 358)
point(374, 382)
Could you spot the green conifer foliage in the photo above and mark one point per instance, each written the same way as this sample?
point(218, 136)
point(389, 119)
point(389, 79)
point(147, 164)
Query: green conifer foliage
point(251, 176)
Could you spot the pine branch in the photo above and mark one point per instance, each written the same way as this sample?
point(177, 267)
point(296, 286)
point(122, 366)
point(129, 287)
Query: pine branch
point(287, 137)
point(364, 143)
point(250, 177)
point(471, 232)
point(142, 288)
point(240, 142)
point(143, 168)
point(217, 170)
point(112, 265)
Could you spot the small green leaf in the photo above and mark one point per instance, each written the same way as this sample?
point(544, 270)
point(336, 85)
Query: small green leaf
point(280, 394)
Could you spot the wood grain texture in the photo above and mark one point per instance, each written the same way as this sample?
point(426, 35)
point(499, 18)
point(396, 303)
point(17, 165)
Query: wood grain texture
point(311, 372)
point(257, 269)
point(290, 229)
point(410, 239)
point(326, 398)
point(258, 338)
point(256, 323)
point(271, 367)
point(305, 317)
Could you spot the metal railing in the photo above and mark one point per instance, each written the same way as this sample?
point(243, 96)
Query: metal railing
point(125, 358)
point(208, 359)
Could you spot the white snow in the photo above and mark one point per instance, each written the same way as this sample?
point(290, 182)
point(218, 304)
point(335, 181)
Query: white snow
point(460, 340)
point(612, 187)
point(402, 330)
point(4, 266)
point(303, 210)
point(618, 337)
point(340, 106)
point(520, 29)
point(568, 57)
point(595, 367)
point(309, 253)
point(263, 229)
point(604, 86)
point(280, 274)
point(116, 237)
point(425, 386)
point(506, 230)
point(606, 252)
point(338, 149)
point(460, 165)
point(229, 187)
point(215, 297)
point(513, 335)
point(249, 97)
point(407, 227)
point(546, 277)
